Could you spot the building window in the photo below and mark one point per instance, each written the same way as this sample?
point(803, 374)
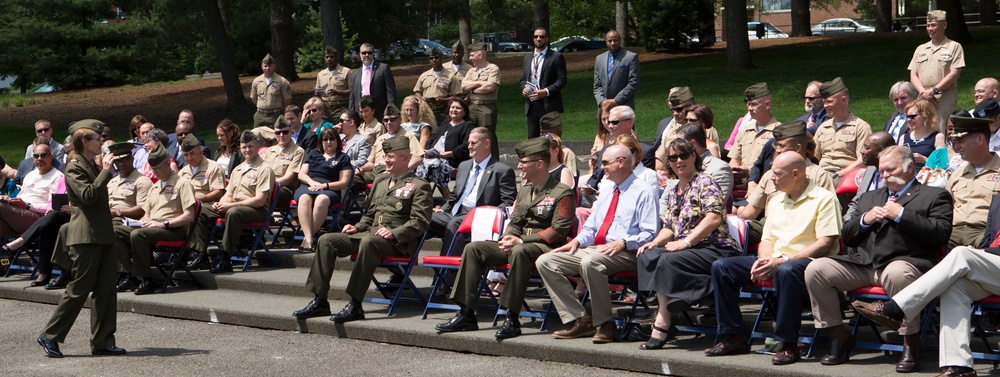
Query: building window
point(777, 5)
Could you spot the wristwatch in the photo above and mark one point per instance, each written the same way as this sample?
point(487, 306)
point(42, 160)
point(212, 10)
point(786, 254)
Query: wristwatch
point(166, 224)
point(936, 90)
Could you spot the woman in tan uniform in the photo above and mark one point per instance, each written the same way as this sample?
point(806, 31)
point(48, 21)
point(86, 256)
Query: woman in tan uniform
point(88, 236)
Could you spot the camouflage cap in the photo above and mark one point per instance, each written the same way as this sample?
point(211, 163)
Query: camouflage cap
point(121, 150)
point(189, 143)
point(680, 95)
point(756, 91)
point(832, 87)
point(789, 129)
point(157, 156)
point(90, 124)
point(267, 60)
point(965, 126)
point(393, 144)
point(937, 15)
point(533, 146)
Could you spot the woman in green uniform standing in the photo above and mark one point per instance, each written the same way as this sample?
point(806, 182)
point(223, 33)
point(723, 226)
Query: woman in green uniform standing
point(88, 236)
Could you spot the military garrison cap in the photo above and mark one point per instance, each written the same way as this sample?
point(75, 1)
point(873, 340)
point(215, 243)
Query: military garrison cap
point(790, 129)
point(393, 144)
point(550, 121)
point(249, 136)
point(680, 95)
point(267, 60)
point(366, 101)
point(832, 87)
point(391, 109)
point(435, 52)
point(330, 50)
point(158, 155)
point(457, 46)
point(480, 46)
point(282, 123)
point(121, 150)
point(965, 126)
point(189, 143)
point(756, 91)
point(90, 124)
point(533, 146)
point(937, 15)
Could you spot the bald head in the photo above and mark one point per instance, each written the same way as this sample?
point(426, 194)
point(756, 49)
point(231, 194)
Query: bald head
point(788, 173)
point(618, 163)
point(987, 87)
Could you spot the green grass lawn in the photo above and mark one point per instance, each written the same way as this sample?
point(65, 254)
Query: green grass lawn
point(869, 66)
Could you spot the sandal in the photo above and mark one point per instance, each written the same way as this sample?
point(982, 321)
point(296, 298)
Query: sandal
point(307, 250)
point(655, 344)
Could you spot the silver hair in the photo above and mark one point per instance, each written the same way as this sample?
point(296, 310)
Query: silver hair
point(625, 111)
point(903, 86)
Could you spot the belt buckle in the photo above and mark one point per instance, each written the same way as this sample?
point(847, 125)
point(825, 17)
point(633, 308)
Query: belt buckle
point(379, 220)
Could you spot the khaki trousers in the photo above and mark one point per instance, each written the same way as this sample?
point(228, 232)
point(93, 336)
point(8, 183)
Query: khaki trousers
point(827, 277)
point(965, 275)
point(594, 267)
point(966, 235)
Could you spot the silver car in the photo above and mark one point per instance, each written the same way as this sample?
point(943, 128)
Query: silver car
point(770, 31)
point(836, 26)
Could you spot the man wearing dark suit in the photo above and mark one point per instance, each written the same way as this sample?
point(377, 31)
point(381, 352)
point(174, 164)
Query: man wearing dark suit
point(301, 136)
point(616, 73)
point(871, 179)
point(493, 182)
point(372, 79)
point(543, 77)
point(185, 126)
point(901, 94)
point(679, 100)
point(896, 234)
point(815, 112)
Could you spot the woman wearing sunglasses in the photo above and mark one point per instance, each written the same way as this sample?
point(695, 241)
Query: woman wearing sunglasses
point(924, 136)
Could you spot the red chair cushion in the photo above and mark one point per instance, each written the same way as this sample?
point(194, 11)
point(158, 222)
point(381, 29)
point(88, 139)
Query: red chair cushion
point(169, 244)
point(769, 283)
point(395, 260)
point(624, 275)
point(448, 260)
point(989, 300)
point(871, 290)
point(293, 203)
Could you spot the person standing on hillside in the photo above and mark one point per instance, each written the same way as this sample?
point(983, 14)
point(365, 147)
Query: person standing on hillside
point(543, 77)
point(270, 92)
point(481, 83)
point(936, 66)
point(332, 84)
point(616, 73)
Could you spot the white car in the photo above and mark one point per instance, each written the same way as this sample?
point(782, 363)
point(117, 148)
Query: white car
point(769, 31)
point(836, 26)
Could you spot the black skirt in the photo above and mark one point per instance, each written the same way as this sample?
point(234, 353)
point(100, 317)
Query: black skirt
point(685, 274)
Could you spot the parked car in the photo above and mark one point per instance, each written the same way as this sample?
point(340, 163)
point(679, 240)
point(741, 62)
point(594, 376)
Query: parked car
point(500, 42)
point(835, 26)
point(770, 31)
point(412, 48)
point(577, 43)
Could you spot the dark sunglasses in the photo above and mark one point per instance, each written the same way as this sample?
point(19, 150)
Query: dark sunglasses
point(179, 134)
point(47, 129)
point(390, 119)
point(541, 36)
point(40, 155)
point(330, 139)
point(616, 121)
point(608, 162)
point(282, 132)
point(527, 161)
point(677, 109)
point(678, 157)
point(912, 116)
point(367, 52)
point(807, 98)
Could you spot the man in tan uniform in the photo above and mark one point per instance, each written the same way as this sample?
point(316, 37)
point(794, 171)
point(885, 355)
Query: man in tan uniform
point(975, 182)
point(457, 64)
point(169, 210)
point(247, 199)
point(208, 180)
point(127, 193)
point(397, 216)
point(839, 138)
point(270, 92)
point(438, 85)
point(285, 158)
point(754, 134)
point(791, 136)
point(482, 83)
point(542, 218)
point(679, 100)
point(332, 84)
point(936, 66)
point(376, 160)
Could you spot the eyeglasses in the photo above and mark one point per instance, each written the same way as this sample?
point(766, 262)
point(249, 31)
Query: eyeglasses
point(328, 138)
point(616, 121)
point(390, 119)
point(179, 134)
point(808, 98)
point(912, 116)
point(282, 132)
point(43, 130)
point(367, 52)
point(525, 162)
point(978, 91)
point(678, 157)
point(40, 155)
point(541, 36)
point(679, 109)
point(608, 162)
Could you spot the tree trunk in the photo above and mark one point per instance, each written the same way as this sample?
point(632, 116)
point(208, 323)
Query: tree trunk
point(282, 41)
point(706, 27)
point(542, 15)
point(621, 20)
point(800, 18)
point(235, 99)
point(987, 12)
point(464, 23)
point(330, 21)
point(227, 16)
point(883, 16)
point(957, 30)
point(737, 40)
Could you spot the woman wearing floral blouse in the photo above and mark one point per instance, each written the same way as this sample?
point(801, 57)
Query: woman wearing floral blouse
point(677, 264)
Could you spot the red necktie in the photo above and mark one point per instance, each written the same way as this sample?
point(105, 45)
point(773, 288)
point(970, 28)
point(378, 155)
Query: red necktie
point(809, 123)
point(996, 240)
point(892, 197)
point(608, 219)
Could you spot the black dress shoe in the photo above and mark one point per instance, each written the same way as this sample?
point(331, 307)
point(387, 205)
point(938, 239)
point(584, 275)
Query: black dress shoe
point(60, 282)
point(40, 283)
point(199, 262)
point(511, 328)
point(145, 287)
point(840, 351)
point(956, 371)
point(730, 345)
point(221, 265)
point(351, 312)
point(50, 346)
point(789, 354)
point(318, 307)
point(463, 321)
point(110, 351)
point(126, 283)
